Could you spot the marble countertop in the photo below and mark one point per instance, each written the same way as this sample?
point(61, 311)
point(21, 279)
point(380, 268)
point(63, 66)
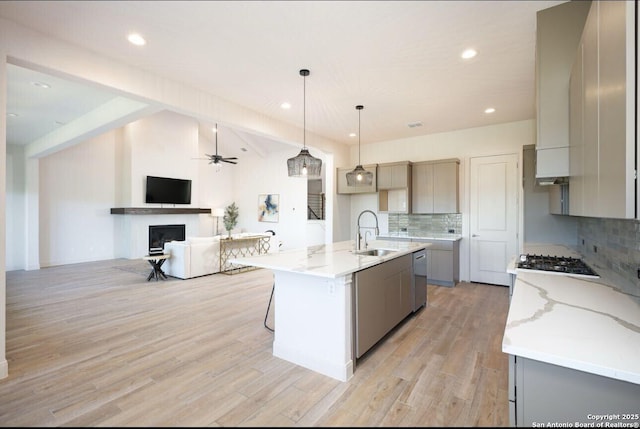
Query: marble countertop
point(428, 236)
point(587, 324)
point(329, 260)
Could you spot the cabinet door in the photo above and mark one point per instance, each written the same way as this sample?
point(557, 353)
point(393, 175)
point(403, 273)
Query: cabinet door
point(442, 266)
point(385, 177)
point(576, 144)
point(590, 127)
point(400, 176)
point(383, 299)
point(445, 187)
point(422, 189)
point(394, 176)
point(616, 140)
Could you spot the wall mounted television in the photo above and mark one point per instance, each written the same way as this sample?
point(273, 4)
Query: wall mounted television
point(168, 190)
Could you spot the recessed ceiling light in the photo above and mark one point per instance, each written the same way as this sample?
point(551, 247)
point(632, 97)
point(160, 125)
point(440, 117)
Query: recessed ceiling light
point(41, 85)
point(469, 53)
point(414, 124)
point(352, 134)
point(136, 39)
point(489, 110)
point(285, 105)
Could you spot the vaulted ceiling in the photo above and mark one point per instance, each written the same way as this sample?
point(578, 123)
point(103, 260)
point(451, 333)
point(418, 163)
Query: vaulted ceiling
point(400, 59)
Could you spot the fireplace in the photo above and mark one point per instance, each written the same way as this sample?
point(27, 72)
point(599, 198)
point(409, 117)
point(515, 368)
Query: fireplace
point(160, 234)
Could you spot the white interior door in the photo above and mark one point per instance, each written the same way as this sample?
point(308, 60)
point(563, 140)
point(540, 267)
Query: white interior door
point(493, 217)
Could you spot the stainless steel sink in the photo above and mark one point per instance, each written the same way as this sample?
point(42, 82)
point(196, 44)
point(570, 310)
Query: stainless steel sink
point(375, 252)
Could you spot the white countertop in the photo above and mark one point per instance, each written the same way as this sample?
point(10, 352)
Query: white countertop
point(429, 236)
point(329, 260)
point(581, 323)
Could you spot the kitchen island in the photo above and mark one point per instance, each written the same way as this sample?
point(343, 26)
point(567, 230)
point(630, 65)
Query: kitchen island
point(315, 301)
point(573, 343)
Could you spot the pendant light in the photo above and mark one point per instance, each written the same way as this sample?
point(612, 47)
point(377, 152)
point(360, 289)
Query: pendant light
point(359, 176)
point(304, 165)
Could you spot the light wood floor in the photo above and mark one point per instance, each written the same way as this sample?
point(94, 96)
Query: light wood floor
point(95, 344)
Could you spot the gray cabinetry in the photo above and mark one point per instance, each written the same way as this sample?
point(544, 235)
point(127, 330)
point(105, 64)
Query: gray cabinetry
point(394, 175)
point(558, 31)
point(394, 187)
point(383, 298)
point(602, 117)
point(344, 188)
point(435, 186)
point(540, 392)
point(443, 261)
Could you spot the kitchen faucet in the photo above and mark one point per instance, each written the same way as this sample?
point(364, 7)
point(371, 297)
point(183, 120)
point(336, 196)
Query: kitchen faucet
point(358, 235)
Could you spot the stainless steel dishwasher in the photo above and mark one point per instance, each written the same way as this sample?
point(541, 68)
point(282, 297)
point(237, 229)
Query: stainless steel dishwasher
point(419, 280)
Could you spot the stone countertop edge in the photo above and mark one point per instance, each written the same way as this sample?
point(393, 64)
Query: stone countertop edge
point(332, 260)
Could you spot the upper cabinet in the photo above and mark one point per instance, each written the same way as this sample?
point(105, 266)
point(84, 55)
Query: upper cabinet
point(343, 186)
point(558, 31)
point(394, 187)
point(602, 114)
point(394, 175)
point(435, 186)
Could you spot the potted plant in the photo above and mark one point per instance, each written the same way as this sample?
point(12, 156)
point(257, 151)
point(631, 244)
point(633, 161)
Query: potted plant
point(230, 217)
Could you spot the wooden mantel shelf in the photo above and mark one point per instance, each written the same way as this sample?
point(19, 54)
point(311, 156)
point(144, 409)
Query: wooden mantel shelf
point(158, 210)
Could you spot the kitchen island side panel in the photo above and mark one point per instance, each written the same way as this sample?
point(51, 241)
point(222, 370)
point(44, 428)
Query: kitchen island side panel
point(313, 323)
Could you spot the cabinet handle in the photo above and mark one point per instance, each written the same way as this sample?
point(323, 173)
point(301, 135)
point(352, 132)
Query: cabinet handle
point(420, 257)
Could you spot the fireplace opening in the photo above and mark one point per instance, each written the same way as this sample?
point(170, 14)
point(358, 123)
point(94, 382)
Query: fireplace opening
point(160, 234)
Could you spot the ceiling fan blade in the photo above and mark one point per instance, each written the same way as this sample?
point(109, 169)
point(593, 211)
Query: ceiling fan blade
point(231, 157)
point(227, 160)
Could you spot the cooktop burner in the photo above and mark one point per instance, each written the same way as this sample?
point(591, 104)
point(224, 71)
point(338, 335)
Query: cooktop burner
point(557, 264)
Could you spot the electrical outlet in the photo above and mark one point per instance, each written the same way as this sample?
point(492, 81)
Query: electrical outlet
point(452, 231)
point(583, 241)
point(639, 273)
point(595, 249)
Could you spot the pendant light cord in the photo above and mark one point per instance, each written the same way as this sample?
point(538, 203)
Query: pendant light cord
point(359, 163)
point(304, 111)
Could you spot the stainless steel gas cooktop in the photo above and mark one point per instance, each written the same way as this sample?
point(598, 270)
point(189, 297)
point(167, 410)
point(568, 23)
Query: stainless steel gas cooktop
point(555, 264)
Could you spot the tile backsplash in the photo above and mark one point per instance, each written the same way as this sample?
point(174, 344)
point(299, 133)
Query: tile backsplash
point(423, 224)
point(613, 244)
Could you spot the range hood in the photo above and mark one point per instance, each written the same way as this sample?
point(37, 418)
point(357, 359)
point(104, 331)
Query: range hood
point(552, 166)
point(547, 181)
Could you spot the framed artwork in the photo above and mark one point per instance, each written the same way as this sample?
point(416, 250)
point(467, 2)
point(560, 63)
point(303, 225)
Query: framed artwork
point(268, 207)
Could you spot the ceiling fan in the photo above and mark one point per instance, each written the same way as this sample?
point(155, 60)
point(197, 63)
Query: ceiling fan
point(216, 159)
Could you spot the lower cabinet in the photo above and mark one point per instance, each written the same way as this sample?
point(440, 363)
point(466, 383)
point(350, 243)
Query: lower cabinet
point(382, 300)
point(443, 262)
point(543, 393)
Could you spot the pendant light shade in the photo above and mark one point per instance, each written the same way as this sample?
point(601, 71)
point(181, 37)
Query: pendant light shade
point(304, 164)
point(359, 176)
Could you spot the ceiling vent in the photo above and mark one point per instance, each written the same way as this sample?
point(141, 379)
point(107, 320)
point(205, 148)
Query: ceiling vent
point(414, 124)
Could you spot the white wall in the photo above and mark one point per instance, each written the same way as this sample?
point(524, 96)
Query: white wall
point(257, 175)
point(15, 212)
point(76, 193)
point(79, 185)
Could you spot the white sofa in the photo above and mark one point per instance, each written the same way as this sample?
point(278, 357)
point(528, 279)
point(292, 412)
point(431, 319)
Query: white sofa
point(197, 256)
